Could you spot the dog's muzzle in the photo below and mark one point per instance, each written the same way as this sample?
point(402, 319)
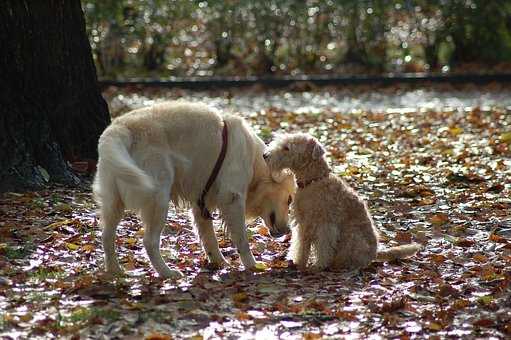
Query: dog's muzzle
point(266, 155)
point(276, 233)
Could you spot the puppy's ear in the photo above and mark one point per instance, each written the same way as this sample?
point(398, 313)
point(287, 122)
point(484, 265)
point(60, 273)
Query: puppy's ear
point(277, 136)
point(317, 151)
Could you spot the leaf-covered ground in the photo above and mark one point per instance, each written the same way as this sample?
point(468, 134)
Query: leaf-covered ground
point(437, 174)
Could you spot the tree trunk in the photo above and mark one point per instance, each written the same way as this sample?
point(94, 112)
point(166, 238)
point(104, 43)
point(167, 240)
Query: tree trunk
point(51, 109)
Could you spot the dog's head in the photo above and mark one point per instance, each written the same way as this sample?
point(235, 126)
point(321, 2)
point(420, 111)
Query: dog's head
point(292, 151)
point(270, 199)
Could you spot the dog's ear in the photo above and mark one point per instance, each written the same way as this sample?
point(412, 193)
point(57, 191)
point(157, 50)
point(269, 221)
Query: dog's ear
point(280, 176)
point(318, 151)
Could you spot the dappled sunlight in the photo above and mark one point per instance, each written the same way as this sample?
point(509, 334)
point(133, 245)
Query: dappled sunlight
point(437, 175)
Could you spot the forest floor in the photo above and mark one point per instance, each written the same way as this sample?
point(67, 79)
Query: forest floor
point(433, 165)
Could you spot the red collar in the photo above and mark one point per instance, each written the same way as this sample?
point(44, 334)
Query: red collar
point(302, 185)
point(202, 200)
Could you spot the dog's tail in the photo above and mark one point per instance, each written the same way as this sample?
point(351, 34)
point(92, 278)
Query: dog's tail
point(399, 252)
point(116, 168)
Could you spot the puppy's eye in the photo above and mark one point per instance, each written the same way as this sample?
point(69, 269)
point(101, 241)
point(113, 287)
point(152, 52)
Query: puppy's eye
point(289, 200)
point(286, 148)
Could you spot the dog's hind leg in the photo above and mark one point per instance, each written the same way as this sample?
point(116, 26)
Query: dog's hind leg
point(154, 216)
point(232, 206)
point(154, 213)
point(208, 239)
point(111, 213)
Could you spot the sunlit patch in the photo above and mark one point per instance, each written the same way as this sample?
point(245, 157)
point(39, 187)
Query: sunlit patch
point(433, 164)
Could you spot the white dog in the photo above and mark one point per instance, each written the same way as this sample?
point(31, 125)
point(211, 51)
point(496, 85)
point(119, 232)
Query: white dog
point(168, 152)
point(331, 218)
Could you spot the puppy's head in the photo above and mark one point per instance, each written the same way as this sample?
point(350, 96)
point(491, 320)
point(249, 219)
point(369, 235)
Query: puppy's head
point(292, 151)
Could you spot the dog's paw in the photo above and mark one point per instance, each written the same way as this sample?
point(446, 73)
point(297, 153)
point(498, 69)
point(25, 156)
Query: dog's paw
point(315, 269)
point(171, 274)
point(217, 265)
point(300, 266)
point(114, 271)
point(112, 274)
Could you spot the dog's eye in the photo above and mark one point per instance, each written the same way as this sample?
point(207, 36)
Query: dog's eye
point(289, 200)
point(286, 148)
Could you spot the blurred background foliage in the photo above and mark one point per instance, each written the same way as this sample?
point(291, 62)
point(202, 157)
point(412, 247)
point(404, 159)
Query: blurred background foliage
point(161, 39)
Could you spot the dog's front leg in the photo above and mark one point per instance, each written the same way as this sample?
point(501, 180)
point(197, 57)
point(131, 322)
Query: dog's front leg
point(232, 207)
point(208, 239)
point(302, 254)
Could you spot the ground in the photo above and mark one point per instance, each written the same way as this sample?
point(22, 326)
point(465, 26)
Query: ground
point(437, 174)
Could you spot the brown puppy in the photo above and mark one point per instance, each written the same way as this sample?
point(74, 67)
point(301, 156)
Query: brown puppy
point(330, 217)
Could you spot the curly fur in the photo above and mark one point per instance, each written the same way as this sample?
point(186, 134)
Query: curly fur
point(331, 220)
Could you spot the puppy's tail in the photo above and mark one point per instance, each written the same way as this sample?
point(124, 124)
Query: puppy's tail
point(399, 252)
point(117, 170)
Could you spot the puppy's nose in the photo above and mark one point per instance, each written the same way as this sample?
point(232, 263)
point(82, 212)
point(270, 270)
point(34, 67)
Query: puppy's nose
point(266, 155)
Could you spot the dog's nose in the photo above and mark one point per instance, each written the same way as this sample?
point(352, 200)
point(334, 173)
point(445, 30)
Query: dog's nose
point(266, 155)
point(276, 233)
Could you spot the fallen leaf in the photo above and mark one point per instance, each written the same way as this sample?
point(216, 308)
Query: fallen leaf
point(64, 207)
point(439, 219)
point(240, 297)
point(506, 137)
point(26, 317)
point(59, 224)
point(346, 315)
point(480, 258)
point(497, 238)
point(260, 266)
point(242, 316)
point(311, 336)
point(88, 248)
point(264, 231)
point(485, 300)
point(460, 303)
point(455, 131)
point(438, 258)
point(72, 246)
point(463, 242)
point(158, 336)
point(403, 237)
point(484, 323)
point(131, 241)
point(447, 290)
point(434, 326)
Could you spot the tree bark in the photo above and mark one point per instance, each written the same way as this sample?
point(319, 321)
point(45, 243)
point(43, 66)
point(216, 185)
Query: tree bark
point(51, 108)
